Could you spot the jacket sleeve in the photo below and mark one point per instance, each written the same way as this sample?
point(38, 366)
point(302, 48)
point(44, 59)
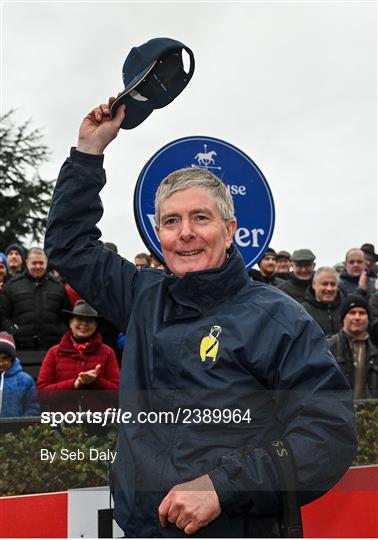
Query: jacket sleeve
point(46, 381)
point(100, 276)
point(314, 406)
point(109, 378)
point(30, 406)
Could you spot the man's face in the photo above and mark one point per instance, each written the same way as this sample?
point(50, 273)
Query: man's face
point(303, 269)
point(192, 233)
point(355, 262)
point(325, 287)
point(14, 260)
point(283, 265)
point(356, 321)
point(268, 265)
point(36, 265)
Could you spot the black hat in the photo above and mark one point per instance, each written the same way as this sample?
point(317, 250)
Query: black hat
point(352, 301)
point(153, 75)
point(269, 251)
point(16, 247)
point(303, 255)
point(7, 344)
point(82, 309)
point(369, 250)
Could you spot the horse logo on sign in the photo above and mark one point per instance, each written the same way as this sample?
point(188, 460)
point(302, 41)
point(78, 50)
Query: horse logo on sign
point(205, 159)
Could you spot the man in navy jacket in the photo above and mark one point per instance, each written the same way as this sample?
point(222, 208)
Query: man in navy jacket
point(221, 366)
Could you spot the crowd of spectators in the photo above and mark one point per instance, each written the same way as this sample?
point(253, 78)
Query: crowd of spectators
point(80, 352)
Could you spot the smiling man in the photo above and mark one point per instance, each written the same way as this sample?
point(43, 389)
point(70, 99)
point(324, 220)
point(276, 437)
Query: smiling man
point(323, 300)
point(227, 370)
point(300, 279)
point(194, 234)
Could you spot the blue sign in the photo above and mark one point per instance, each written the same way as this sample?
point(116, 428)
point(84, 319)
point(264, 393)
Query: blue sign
point(254, 207)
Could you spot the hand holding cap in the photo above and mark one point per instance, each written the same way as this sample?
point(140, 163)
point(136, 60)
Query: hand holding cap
point(153, 76)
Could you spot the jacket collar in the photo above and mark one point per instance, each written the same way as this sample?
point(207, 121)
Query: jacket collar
point(66, 343)
point(302, 283)
point(196, 290)
point(348, 277)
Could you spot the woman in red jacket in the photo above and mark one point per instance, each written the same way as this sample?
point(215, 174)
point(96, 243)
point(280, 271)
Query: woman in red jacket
point(80, 363)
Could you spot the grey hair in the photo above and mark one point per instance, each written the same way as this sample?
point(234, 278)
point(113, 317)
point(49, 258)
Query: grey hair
point(325, 269)
point(36, 251)
point(198, 178)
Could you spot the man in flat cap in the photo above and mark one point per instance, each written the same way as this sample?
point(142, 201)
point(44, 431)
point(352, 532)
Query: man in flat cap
point(283, 265)
point(236, 379)
point(299, 282)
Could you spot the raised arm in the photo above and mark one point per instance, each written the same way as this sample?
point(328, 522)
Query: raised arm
point(103, 278)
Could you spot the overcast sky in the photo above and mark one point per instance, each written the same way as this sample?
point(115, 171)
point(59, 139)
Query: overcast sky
point(292, 84)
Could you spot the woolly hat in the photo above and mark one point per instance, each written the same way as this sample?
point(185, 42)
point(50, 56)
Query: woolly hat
point(268, 252)
point(353, 301)
point(7, 344)
point(16, 247)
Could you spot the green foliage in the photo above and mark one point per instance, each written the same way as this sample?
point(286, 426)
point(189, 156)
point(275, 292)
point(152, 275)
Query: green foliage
point(22, 470)
point(24, 195)
point(367, 429)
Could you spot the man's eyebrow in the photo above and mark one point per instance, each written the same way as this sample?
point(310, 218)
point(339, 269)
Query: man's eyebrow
point(169, 214)
point(201, 210)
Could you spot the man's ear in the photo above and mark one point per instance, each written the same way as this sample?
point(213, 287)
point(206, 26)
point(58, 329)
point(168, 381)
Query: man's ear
point(157, 231)
point(231, 226)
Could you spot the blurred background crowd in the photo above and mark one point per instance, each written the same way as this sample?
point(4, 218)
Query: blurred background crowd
point(58, 353)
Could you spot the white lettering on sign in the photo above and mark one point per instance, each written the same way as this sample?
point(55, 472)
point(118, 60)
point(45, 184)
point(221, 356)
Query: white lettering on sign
point(245, 237)
point(236, 190)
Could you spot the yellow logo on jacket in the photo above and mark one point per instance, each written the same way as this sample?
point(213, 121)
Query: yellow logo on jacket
point(210, 344)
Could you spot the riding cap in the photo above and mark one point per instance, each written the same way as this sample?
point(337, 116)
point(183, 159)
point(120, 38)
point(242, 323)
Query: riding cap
point(153, 76)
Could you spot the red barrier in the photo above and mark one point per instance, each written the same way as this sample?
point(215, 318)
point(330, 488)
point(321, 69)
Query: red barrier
point(34, 516)
point(349, 510)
